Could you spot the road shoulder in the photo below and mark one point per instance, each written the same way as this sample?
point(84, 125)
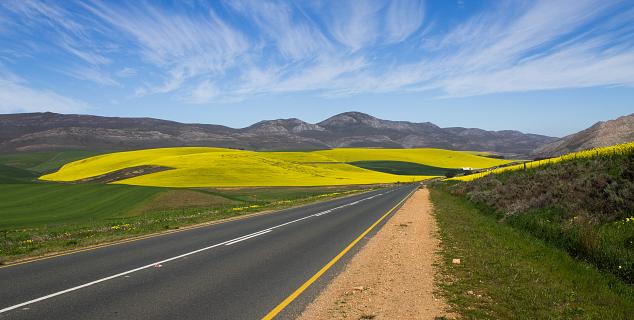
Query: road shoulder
point(392, 277)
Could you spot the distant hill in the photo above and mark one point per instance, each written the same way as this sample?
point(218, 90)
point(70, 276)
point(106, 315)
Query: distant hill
point(52, 131)
point(601, 134)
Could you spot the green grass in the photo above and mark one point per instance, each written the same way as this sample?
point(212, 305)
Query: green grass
point(11, 175)
point(44, 162)
point(27, 167)
point(33, 205)
point(609, 246)
point(506, 273)
point(405, 168)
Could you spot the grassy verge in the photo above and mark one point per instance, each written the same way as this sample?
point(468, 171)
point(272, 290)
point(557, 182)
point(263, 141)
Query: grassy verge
point(506, 273)
point(41, 218)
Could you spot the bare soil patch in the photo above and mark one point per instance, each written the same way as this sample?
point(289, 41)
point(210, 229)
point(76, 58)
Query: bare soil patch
point(392, 277)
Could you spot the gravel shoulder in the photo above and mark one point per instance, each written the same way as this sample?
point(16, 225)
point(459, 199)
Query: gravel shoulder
point(392, 277)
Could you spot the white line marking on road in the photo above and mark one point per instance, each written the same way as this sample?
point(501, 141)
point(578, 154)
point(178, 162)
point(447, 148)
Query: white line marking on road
point(153, 264)
point(253, 235)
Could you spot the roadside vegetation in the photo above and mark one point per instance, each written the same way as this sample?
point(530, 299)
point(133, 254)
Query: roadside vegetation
point(507, 272)
point(583, 205)
point(619, 149)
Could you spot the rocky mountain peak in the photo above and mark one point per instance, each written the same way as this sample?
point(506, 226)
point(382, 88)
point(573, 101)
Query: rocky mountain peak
point(282, 126)
point(349, 118)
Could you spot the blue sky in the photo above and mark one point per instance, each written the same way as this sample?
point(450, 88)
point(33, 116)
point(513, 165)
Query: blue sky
point(549, 67)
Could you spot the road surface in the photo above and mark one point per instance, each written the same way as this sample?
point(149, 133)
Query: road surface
point(268, 265)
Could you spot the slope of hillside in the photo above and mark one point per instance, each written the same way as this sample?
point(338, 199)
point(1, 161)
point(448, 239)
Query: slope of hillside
point(200, 166)
point(51, 131)
point(601, 134)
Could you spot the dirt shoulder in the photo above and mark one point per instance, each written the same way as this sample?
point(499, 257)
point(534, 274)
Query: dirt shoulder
point(392, 277)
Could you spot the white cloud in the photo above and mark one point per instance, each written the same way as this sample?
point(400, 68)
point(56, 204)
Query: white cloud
point(187, 45)
point(70, 35)
point(203, 93)
point(354, 23)
point(91, 74)
point(515, 49)
point(403, 18)
point(18, 97)
point(295, 36)
point(331, 48)
point(126, 72)
point(533, 50)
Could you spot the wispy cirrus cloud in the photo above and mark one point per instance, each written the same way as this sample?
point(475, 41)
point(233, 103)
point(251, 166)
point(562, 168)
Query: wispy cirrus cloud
point(186, 44)
point(535, 46)
point(294, 36)
point(16, 95)
point(91, 73)
point(403, 18)
point(235, 50)
point(45, 19)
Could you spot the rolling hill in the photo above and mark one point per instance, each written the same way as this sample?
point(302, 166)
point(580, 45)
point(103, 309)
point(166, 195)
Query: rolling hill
point(218, 167)
point(51, 131)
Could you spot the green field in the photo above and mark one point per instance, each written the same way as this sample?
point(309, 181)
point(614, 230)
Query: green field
point(440, 158)
point(29, 205)
point(44, 162)
point(12, 175)
point(405, 168)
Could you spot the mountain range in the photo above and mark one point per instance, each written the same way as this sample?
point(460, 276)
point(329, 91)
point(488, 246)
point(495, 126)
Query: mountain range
point(51, 131)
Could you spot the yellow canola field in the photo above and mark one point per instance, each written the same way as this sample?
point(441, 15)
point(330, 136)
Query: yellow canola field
point(427, 156)
point(203, 167)
point(596, 152)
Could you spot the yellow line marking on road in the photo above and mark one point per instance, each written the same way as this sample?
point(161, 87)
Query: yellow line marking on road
point(325, 268)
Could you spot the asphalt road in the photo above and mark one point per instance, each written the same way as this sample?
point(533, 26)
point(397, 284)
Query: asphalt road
point(235, 270)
